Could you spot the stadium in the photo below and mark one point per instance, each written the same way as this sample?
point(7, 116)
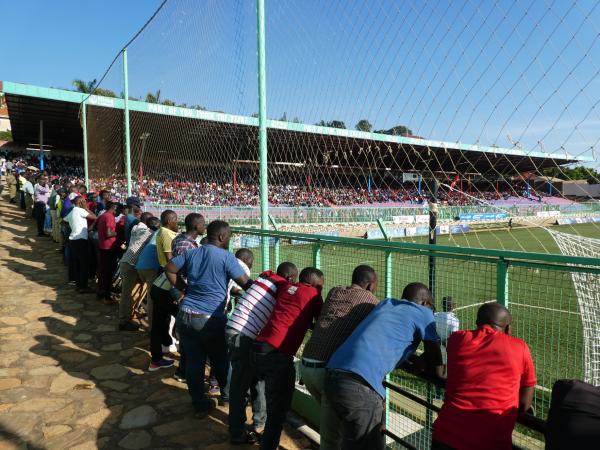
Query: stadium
point(507, 222)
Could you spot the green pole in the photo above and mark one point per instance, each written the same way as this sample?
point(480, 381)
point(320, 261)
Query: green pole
point(502, 282)
point(126, 116)
point(317, 255)
point(262, 130)
point(277, 243)
point(85, 145)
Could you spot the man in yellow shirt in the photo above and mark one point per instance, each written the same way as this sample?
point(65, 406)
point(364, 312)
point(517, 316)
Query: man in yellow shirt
point(166, 234)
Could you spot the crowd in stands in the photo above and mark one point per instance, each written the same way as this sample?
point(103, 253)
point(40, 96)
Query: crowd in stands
point(250, 330)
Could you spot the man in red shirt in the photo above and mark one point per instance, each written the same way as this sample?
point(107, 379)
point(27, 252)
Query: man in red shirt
point(107, 252)
point(490, 379)
point(297, 306)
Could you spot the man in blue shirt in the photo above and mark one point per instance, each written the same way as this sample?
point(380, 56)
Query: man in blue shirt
point(386, 338)
point(201, 319)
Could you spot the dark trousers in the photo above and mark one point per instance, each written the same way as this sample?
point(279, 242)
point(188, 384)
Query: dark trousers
point(39, 213)
point(244, 379)
point(279, 374)
point(79, 261)
point(202, 337)
point(163, 307)
point(107, 265)
point(360, 409)
point(22, 199)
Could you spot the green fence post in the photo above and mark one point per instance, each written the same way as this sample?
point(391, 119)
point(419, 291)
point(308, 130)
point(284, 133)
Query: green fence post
point(317, 255)
point(388, 294)
point(502, 282)
point(277, 242)
point(85, 146)
point(126, 119)
point(262, 130)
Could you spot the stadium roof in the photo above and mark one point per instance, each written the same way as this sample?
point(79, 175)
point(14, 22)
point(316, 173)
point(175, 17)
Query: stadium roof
point(59, 109)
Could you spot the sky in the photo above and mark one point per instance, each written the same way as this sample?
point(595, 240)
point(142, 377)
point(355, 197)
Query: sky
point(497, 73)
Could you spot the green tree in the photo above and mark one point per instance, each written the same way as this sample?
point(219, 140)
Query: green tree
point(364, 125)
point(153, 97)
point(84, 86)
point(6, 136)
point(573, 173)
point(398, 130)
point(168, 102)
point(332, 124)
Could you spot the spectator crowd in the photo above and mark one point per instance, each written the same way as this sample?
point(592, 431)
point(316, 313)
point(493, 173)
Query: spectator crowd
point(250, 330)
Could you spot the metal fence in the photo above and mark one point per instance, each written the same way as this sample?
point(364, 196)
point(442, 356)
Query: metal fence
point(537, 288)
point(244, 216)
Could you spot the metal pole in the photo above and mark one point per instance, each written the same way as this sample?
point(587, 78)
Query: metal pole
point(502, 282)
point(126, 116)
point(262, 130)
point(41, 145)
point(86, 173)
point(433, 213)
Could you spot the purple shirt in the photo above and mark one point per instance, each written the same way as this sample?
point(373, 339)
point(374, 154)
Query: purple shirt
point(41, 193)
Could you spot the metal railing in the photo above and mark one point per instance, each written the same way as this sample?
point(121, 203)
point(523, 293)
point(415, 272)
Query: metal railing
point(536, 287)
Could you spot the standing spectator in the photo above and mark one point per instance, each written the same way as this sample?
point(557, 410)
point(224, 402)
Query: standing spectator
point(387, 337)
point(201, 318)
point(12, 183)
point(296, 307)
point(131, 282)
point(78, 244)
point(41, 194)
point(248, 318)
point(165, 299)
point(343, 310)
point(147, 265)
point(53, 206)
point(490, 379)
point(28, 192)
point(133, 216)
point(167, 233)
point(107, 252)
point(103, 199)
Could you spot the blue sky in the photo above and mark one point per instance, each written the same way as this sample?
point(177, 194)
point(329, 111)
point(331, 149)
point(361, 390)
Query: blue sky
point(468, 71)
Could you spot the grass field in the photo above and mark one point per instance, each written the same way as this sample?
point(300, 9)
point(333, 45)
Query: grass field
point(543, 302)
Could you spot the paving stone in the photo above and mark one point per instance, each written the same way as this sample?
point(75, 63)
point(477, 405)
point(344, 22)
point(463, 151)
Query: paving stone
point(24, 422)
point(73, 357)
point(139, 417)
point(99, 418)
point(9, 383)
point(115, 385)
point(109, 372)
point(136, 439)
point(83, 337)
point(55, 430)
point(40, 405)
point(13, 320)
point(10, 372)
point(45, 370)
point(8, 330)
point(175, 427)
point(64, 383)
point(111, 347)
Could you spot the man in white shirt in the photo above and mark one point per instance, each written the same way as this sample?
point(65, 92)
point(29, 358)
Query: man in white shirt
point(28, 193)
point(78, 243)
point(245, 258)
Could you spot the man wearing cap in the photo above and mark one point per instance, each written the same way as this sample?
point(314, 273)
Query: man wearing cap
point(133, 217)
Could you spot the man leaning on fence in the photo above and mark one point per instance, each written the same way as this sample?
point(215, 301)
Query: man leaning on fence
point(343, 310)
point(385, 339)
point(490, 379)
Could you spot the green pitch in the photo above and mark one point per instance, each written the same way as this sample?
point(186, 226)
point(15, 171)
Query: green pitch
point(542, 301)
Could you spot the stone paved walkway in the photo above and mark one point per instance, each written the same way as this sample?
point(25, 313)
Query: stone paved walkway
point(68, 380)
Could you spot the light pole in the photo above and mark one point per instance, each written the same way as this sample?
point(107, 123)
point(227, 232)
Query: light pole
point(143, 137)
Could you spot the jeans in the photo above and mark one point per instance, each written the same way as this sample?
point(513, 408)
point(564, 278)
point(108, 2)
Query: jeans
point(107, 265)
point(79, 257)
point(330, 426)
point(359, 408)
point(243, 378)
point(131, 287)
point(202, 337)
point(164, 308)
point(39, 213)
point(279, 374)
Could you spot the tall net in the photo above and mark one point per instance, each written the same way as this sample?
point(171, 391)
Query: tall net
point(587, 287)
point(369, 104)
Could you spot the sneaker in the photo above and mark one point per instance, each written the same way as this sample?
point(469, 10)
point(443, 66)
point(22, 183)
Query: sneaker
point(128, 326)
point(214, 390)
point(179, 377)
point(162, 364)
point(223, 401)
point(248, 437)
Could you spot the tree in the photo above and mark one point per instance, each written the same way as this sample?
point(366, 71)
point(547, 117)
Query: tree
point(153, 97)
point(575, 173)
point(332, 124)
point(398, 130)
point(168, 102)
point(6, 136)
point(364, 125)
point(284, 117)
point(84, 86)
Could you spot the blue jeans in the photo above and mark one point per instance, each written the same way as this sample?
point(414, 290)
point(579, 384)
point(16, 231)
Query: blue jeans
point(201, 338)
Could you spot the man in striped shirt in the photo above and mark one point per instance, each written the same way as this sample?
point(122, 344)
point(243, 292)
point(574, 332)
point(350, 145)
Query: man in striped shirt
point(250, 315)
